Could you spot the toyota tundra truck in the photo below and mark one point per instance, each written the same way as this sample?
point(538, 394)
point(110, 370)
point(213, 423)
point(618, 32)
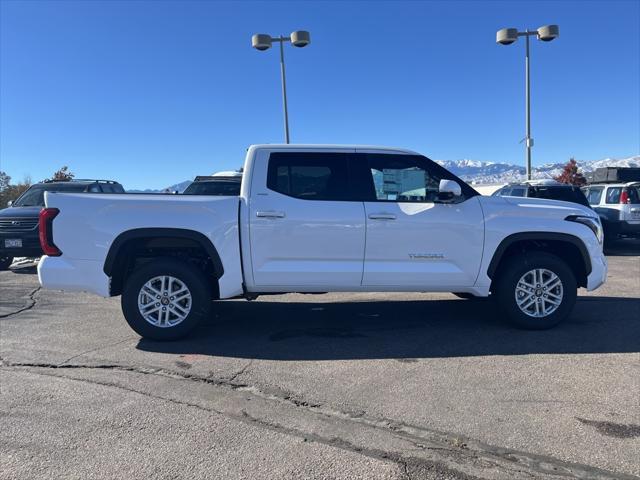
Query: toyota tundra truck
point(313, 219)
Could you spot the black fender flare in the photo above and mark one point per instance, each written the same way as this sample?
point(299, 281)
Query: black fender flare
point(181, 233)
point(539, 236)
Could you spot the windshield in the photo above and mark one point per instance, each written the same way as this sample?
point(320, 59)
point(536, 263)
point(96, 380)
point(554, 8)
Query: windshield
point(566, 194)
point(34, 197)
point(231, 189)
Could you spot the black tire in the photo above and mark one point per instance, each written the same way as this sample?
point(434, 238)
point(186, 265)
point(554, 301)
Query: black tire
point(510, 274)
point(190, 276)
point(610, 234)
point(468, 296)
point(5, 262)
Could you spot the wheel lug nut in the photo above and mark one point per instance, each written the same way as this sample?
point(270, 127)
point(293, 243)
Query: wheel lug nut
point(164, 309)
point(172, 298)
point(157, 304)
point(158, 296)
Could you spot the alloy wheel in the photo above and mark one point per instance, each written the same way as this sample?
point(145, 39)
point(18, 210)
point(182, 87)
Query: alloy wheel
point(164, 301)
point(539, 293)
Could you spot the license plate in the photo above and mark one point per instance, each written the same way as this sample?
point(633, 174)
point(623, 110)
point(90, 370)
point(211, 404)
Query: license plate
point(13, 243)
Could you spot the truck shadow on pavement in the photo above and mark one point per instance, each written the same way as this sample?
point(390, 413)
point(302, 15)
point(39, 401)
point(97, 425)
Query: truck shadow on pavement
point(403, 330)
point(628, 247)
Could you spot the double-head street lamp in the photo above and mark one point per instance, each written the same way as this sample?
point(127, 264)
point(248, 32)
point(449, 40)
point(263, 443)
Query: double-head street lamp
point(261, 41)
point(507, 36)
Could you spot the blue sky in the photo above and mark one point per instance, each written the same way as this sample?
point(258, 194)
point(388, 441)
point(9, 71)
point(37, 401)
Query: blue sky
point(152, 93)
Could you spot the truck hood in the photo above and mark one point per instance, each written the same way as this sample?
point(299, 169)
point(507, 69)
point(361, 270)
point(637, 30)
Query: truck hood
point(534, 207)
point(22, 212)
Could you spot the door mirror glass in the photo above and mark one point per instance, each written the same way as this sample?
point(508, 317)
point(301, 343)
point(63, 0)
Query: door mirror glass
point(448, 190)
point(9, 203)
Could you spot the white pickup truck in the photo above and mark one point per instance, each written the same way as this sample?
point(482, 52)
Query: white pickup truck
point(314, 218)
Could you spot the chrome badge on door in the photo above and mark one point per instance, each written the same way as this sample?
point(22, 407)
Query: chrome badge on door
point(426, 256)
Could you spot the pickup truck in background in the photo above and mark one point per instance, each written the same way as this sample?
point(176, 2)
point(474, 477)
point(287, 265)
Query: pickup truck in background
point(226, 184)
point(312, 219)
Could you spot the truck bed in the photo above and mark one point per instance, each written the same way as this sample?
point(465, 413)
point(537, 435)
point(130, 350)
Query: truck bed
point(88, 224)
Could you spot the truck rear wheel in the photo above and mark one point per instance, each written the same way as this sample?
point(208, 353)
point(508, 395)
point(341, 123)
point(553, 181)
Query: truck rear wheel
point(165, 299)
point(536, 290)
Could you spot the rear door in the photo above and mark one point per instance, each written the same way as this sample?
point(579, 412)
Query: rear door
point(412, 240)
point(306, 228)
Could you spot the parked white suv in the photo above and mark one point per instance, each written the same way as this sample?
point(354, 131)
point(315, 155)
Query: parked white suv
point(618, 205)
point(313, 218)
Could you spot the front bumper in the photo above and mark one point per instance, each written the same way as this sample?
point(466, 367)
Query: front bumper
point(599, 268)
point(30, 244)
point(631, 229)
point(61, 273)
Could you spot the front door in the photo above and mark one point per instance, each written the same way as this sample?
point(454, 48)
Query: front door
point(413, 241)
point(305, 232)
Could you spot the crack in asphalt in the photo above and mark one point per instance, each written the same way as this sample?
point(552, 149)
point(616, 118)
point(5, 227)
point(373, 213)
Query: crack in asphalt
point(452, 446)
point(433, 467)
point(32, 301)
point(93, 350)
point(233, 377)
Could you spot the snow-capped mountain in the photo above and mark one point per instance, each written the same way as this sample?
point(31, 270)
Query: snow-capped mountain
point(478, 172)
point(178, 187)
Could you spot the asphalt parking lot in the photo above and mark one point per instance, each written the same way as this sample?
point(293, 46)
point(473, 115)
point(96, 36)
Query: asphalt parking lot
point(322, 386)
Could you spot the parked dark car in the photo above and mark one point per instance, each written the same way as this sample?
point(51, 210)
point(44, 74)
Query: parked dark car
point(223, 185)
point(548, 189)
point(19, 222)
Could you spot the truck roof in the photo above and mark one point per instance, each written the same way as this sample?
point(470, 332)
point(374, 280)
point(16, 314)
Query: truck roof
point(318, 146)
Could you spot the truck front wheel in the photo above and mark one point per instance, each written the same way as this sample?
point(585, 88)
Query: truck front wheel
point(165, 299)
point(536, 290)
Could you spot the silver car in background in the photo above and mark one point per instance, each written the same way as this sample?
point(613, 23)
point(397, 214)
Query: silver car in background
point(618, 205)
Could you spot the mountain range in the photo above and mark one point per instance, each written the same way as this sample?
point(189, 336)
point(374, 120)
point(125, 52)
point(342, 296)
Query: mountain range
point(480, 172)
point(477, 172)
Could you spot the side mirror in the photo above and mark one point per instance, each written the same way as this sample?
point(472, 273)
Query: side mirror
point(9, 203)
point(448, 190)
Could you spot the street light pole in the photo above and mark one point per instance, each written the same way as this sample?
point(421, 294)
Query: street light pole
point(507, 36)
point(299, 38)
point(284, 91)
point(528, 138)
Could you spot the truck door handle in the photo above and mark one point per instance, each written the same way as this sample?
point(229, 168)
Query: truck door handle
point(382, 216)
point(270, 214)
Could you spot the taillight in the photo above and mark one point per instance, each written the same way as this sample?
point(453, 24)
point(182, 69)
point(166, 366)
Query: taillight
point(624, 196)
point(46, 231)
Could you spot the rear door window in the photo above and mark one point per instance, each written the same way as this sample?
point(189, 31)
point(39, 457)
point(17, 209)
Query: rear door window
point(594, 194)
point(309, 176)
point(613, 194)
